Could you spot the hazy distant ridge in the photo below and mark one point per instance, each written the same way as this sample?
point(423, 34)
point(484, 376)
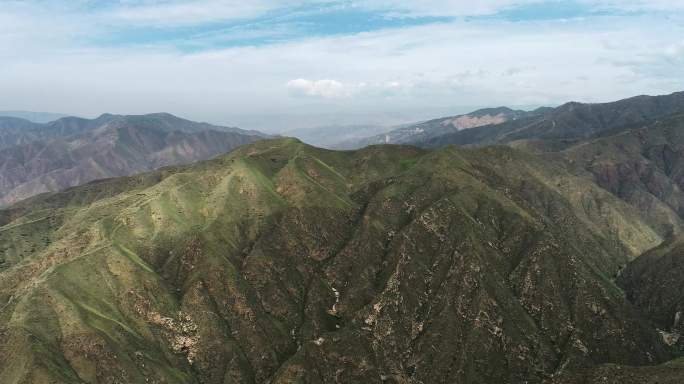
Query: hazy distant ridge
point(36, 117)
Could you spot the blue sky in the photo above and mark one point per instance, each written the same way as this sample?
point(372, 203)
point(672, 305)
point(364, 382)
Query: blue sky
point(273, 26)
point(276, 65)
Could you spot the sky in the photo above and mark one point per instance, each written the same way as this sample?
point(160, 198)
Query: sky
point(277, 65)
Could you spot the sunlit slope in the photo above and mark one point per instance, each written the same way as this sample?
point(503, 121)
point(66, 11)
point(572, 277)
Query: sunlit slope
point(285, 263)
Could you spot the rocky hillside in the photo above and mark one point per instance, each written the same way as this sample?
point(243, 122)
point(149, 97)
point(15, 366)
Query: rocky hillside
point(38, 158)
point(14, 131)
point(428, 130)
point(654, 283)
point(643, 166)
point(283, 263)
point(570, 121)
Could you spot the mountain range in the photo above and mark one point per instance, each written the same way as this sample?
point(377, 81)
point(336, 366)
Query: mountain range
point(425, 131)
point(36, 117)
point(570, 121)
point(554, 256)
point(37, 158)
point(503, 125)
point(332, 136)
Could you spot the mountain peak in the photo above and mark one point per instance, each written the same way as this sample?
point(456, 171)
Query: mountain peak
point(294, 259)
point(38, 158)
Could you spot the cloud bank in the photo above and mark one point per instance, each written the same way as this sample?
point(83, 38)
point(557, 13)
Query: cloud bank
point(132, 57)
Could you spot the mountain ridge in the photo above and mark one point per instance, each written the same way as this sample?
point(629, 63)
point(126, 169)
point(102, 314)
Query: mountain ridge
point(418, 132)
point(36, 117)
point(37, 158)
point(281, 262)
point(570, 121)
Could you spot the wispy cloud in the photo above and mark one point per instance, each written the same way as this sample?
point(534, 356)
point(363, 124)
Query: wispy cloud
point(174, 12)
point(333, 89)
point(637, 5)
point(441, 8)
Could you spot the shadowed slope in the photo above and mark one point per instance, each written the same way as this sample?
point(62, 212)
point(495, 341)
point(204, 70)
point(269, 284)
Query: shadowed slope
point(643, 166)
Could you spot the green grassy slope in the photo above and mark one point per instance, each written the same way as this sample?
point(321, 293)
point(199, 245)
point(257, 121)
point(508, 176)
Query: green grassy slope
point(286, 263)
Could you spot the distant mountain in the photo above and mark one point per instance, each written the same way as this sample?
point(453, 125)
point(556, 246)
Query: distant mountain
point(332, 135)
point(16, 131)
point(35, 117)
point(37, 158)
point(425, 131)
point(567, 122)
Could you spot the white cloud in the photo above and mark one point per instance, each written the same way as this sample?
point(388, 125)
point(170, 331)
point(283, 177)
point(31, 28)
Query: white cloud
point(413, 72)
point(320, 88)
point(332, 89)
point(675, 51)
